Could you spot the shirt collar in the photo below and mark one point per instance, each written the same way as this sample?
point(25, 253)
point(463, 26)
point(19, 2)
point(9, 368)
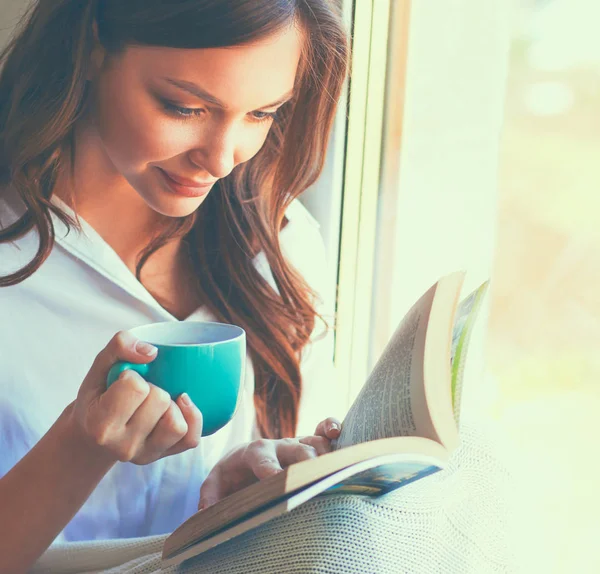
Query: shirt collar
point(89, 247)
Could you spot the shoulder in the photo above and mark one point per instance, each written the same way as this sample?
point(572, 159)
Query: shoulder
point(302, 244)
point(298, 215)
point(16, 254)
point(11, 206)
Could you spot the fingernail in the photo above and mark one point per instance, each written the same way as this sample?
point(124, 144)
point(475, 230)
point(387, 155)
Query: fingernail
point(334, 426)
point(185, 399)
point(145, 349)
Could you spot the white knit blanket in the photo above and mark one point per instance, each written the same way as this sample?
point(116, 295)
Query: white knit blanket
point(455, 521)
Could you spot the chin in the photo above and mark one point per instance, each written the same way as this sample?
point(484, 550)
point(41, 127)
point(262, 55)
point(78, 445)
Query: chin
point(174, 206)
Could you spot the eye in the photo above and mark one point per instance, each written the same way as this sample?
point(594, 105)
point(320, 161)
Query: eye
point(263, 116)
point(181, 112)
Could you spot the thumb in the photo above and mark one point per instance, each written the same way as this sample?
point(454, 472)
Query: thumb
point(329, 428)
point(122, 347)
point(193, 416)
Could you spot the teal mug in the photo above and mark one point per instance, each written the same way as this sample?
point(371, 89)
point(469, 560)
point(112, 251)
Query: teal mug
point(205, 360)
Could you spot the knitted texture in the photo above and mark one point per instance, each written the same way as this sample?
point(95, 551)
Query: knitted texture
point(455, 521)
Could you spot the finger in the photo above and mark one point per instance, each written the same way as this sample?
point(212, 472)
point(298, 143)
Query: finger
point(122, 347)
point(329, 428)
point(262, 458)
point(148, 414)
point(321, 444)
point(211, 489)
point(292, 451)
point(169, 430)
point(119, 403)
point(193, 419)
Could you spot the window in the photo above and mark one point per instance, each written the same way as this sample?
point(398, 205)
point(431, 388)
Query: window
point(419, 166)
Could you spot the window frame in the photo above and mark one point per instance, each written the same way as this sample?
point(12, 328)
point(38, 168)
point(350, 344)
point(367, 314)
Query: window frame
point(372, 23)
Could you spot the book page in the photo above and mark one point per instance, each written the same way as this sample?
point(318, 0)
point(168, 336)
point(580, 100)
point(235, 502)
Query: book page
point(392, 401)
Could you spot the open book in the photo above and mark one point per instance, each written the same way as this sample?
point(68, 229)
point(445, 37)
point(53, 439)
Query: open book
point(402, 427)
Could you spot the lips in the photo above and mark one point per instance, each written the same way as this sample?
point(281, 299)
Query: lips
point(189, 182)
point(183, 186)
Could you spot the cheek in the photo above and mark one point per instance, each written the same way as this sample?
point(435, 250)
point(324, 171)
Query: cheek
point(135, 131)
point(251, 144)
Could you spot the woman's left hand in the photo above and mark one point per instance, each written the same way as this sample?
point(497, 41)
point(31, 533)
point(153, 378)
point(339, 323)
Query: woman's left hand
point(262, 458)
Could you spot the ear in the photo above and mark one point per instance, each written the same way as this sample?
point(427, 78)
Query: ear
point(97, 56)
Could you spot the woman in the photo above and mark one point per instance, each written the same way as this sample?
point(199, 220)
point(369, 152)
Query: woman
point(151, 153)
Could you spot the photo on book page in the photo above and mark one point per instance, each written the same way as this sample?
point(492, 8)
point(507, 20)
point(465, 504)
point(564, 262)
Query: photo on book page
point(383, 479)
point(466, 313)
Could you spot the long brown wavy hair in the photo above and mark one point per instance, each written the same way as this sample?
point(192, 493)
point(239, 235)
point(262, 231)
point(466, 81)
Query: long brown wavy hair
point(43, 94)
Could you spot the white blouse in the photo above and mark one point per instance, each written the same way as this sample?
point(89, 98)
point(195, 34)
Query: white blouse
point(54, 323)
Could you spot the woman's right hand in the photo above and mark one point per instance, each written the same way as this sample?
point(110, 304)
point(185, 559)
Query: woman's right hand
point(132, 420)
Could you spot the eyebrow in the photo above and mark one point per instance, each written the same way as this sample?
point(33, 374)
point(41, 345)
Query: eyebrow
point(203, 94)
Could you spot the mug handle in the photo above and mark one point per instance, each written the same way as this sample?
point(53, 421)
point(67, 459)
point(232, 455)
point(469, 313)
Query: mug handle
point(121, 366)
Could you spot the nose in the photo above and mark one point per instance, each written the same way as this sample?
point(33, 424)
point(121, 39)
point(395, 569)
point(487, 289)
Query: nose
point(216, 154)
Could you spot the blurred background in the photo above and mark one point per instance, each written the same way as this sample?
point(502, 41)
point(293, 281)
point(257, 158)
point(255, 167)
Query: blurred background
point(543, 340)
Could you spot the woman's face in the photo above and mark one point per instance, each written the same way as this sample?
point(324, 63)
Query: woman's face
point(172, 121)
